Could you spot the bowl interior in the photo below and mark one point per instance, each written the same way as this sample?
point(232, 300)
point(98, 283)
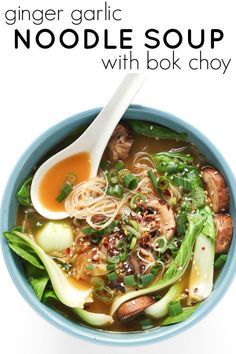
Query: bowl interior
point(8, 219)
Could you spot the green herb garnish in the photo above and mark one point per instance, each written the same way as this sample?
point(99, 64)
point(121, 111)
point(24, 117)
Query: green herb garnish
point(145, 279)
point(64, 192)
point(130, 181)
point(130, 280)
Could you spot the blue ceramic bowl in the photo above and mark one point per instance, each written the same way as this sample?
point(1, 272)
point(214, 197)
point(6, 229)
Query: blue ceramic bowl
point(8, 219)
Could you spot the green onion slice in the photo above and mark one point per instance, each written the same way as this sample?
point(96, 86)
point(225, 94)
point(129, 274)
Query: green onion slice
point(145, 279)
point(115, 191)
point(111, 266)
point(130, 181)
point(130, 280)
point(97, 282)
point(163, 183)
point(113, 259)
point(104, 293)
point(133, 243)
point(105, 165)
point(138, 198)
point(153, 180)
point(112, 177)
point(119, 165)
point(64, 192)
point(112, 276)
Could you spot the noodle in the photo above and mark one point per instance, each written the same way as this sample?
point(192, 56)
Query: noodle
point(89, 198)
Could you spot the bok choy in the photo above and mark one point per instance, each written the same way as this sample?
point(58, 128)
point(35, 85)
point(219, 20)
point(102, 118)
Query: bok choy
point(178, 265)
point(43, 274)
point(67, 293)
point(160, 308)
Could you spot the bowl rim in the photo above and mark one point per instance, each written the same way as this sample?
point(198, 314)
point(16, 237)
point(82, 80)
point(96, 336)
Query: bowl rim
point(96, 335)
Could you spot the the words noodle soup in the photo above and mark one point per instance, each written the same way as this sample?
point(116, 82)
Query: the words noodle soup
point(143, 240)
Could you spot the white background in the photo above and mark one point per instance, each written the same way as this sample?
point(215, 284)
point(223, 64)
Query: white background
point(40, 88)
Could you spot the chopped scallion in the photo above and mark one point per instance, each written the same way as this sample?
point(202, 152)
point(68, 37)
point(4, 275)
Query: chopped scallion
point(105, 165)
point(155, 269)
point(111, 266)
point(138, 198)
point(130, 181)
point(130, 280)
point(97, 282)
point(104, 293)
point(153, 180)
point(112, 276)
point(123, 256)
point(145, 279)
point(112, 177)
point(119, 165)
point(115, 191)
point(113, 259)
point(64, 192)
point(162, 182)
point(133, 243)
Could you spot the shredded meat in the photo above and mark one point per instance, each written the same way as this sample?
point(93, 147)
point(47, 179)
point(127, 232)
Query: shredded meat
point(120, 144)
point(164, 215)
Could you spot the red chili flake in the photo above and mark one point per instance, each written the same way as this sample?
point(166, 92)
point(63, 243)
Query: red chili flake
point(167, 193)
point(203, 248)
point(68, 250)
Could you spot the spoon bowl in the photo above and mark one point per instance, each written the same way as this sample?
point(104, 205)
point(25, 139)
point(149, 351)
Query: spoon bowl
point(93, 141)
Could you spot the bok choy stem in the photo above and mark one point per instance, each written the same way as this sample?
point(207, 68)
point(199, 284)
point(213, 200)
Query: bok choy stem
point(202, 271)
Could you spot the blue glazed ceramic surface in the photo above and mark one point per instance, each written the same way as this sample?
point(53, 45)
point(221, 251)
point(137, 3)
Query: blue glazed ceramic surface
point(8, 216)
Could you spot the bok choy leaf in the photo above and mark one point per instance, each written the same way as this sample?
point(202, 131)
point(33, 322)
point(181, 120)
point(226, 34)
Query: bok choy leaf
point(68, 294)
point(156, 131)
point(38, 277)
point(186, 313)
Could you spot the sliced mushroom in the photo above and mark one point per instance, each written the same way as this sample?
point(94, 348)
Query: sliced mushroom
point(224, 232)
point(134, 264)
point(217, 189)
point(165, 215)
point(120, 144)
point(133, 307)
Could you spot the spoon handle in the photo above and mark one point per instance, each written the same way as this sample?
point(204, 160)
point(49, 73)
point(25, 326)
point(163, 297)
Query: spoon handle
point(102, 127)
